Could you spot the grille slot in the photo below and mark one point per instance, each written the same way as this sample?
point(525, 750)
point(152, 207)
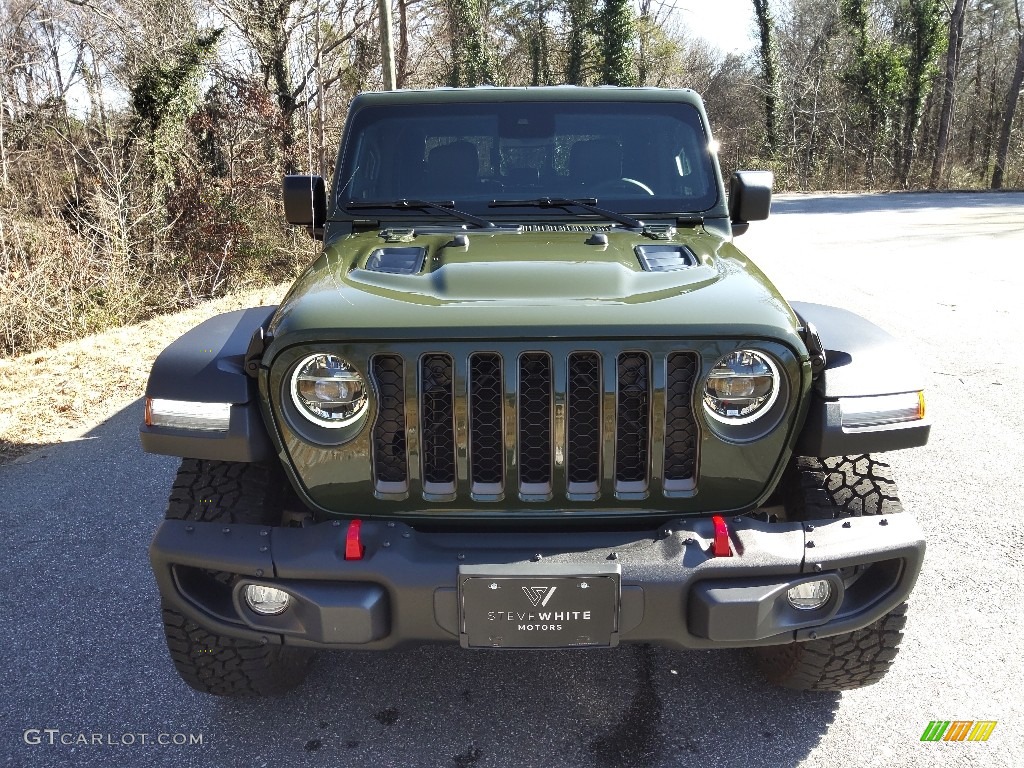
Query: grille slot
point(680, 428)
point(437, 394)
point(534, 436)
point(632, 422)
point(583, 428)
point(390, 458)
point(486, 436)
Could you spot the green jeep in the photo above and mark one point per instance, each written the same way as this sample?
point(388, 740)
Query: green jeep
point(531, 395)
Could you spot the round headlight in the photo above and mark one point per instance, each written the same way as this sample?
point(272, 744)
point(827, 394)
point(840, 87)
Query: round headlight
point(741, 387)
point(329, 391)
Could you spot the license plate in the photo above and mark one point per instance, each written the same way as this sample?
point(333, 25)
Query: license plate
point(551, 607)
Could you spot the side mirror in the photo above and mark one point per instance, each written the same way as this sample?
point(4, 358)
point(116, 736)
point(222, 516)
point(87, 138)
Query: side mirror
point(750, 198)
point(305, 203)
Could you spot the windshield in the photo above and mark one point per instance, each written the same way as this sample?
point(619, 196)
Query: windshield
point(646, 157)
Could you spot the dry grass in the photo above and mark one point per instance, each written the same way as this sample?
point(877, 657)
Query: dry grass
point(57, 394)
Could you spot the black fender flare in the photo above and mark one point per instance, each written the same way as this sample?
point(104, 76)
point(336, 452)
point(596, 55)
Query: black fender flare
point(861, 360)
point(208, 364)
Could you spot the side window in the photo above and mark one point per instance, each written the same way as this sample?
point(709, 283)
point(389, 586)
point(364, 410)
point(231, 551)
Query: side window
point(689, 174)
point(364, 180)
point(683, 166)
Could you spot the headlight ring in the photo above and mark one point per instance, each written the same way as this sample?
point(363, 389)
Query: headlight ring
point(328, 391)
point(742, 388)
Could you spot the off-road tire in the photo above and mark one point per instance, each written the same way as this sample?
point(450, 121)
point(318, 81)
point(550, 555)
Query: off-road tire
point(839, 486)
point(229, 492)
point(831, 488)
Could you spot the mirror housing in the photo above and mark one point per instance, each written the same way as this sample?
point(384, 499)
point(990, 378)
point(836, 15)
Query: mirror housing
point(750, 198)
point(305, 203)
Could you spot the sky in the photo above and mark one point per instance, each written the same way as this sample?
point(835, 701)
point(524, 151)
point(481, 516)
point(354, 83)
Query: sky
point(728, 24)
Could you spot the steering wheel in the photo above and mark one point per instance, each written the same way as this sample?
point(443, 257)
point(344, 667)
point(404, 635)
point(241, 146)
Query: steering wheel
point(623, 183)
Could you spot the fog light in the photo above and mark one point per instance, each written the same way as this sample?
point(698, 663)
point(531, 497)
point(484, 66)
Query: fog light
point(266, 601)
point(809, 595)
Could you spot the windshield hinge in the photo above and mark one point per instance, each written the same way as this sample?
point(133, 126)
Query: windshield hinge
point(659, 231)
point(398, 235)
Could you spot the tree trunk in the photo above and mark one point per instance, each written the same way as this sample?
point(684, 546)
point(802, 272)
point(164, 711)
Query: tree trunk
point(956, 40)
point(992, 115)
point(579, 13)
point(1009, 109)
point(539, 68)
point(926, 23)
point(618, 33)
point(403, 43)
point(5, 177)
point(766, 30)
point(387, 50)
point(471, 55)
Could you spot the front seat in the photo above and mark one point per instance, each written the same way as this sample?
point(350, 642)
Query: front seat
point(453, 167)
point(594, 162)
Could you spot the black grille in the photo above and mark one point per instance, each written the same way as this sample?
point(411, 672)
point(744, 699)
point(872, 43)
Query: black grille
point(680, 430)
point(534, 419)
point(632, 419)
point(390, 464)
point(438, 417)
point(487, 465)
point(582, 425)
point(583, 429)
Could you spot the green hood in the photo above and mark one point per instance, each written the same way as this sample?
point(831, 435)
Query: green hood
point(541, 284)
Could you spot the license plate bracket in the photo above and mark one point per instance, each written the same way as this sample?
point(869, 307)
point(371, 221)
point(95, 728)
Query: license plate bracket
point(551, 605)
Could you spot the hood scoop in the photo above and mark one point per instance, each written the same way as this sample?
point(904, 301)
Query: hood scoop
point(665, 258)
point(406, 260)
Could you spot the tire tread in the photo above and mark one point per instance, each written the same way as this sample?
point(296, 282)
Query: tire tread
point(833, 488)
point(229, 492)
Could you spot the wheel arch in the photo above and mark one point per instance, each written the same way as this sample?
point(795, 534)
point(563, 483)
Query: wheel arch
point(208, 364)
point(861, 361)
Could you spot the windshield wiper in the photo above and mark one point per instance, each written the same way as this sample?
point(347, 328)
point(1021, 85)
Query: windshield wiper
point(444, 207)
point(586, 203)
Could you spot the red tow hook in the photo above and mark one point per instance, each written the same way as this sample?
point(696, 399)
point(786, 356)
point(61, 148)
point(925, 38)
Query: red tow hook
point(354, 548)
point(720, 547)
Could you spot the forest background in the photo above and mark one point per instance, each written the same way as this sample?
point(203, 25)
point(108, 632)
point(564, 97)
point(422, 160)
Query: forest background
point(142, 142)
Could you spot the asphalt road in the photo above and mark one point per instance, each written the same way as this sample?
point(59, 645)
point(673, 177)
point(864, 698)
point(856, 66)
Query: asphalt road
point(82, 651)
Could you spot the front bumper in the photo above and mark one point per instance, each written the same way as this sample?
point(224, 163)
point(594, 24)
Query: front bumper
point(673, 591)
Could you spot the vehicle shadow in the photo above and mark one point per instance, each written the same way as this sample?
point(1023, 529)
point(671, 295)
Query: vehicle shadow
point(87, 655)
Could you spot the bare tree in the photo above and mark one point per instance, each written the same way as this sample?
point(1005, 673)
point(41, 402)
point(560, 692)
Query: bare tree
point(953, 51)
point(302, 48)
point(652, 36)
point(923, 36)
point(407, 27)
point(1010, 106)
